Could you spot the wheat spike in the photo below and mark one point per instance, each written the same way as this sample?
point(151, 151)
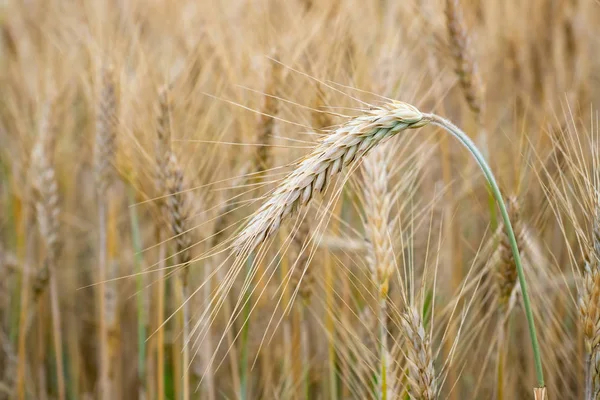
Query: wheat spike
point(266, 122)
point(342, 148)
point(106, 131)
point(178, 212)
point(163, 143)
point(45, 189)
point(378, 207)
point(466, 66)
point(421, 373)
point(589, 314)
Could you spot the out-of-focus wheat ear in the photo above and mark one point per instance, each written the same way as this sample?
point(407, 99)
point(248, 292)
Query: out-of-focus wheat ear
point(179, 216)
point(320, 119)
point(506, 270)
point(105, 149)
point(421, 379)
point(163, 144)
point(507, 285)
point(465, 63)
point(106, 130)
point(48, 214)
point(380, 256)
point(589, 313)
point(269, 109)
point(344, 147)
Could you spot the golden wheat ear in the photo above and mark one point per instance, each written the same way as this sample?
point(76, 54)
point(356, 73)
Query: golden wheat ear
point(344, 147)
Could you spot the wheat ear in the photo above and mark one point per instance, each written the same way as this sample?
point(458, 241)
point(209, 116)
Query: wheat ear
point(465, 64)
point(506, 271)
point(266, 122)
point(422, 384)
point(48, 213)
point(342, 148)
point(105, 148)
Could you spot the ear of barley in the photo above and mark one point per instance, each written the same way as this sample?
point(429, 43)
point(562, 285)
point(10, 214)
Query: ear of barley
point(342, 148)
point(422, 384)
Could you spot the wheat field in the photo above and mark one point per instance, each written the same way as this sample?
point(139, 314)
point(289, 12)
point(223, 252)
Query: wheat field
point(299, 199)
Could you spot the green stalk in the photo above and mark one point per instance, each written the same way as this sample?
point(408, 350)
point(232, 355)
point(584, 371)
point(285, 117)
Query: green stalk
point(468, 143)
point(139, 284)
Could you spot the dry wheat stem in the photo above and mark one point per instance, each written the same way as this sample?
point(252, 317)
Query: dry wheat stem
point(105, 148)
point(347, 144)
point(47, 212)
point(380, 256)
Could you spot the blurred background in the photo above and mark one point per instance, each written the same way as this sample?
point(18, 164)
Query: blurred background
point(137, 138)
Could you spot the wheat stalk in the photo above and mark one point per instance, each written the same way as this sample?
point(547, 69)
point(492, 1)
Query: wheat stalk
point(105, 148)
point(266, 123)
point(422, 384)
point(47, 213)
point(175, 209)
point(342, 148)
